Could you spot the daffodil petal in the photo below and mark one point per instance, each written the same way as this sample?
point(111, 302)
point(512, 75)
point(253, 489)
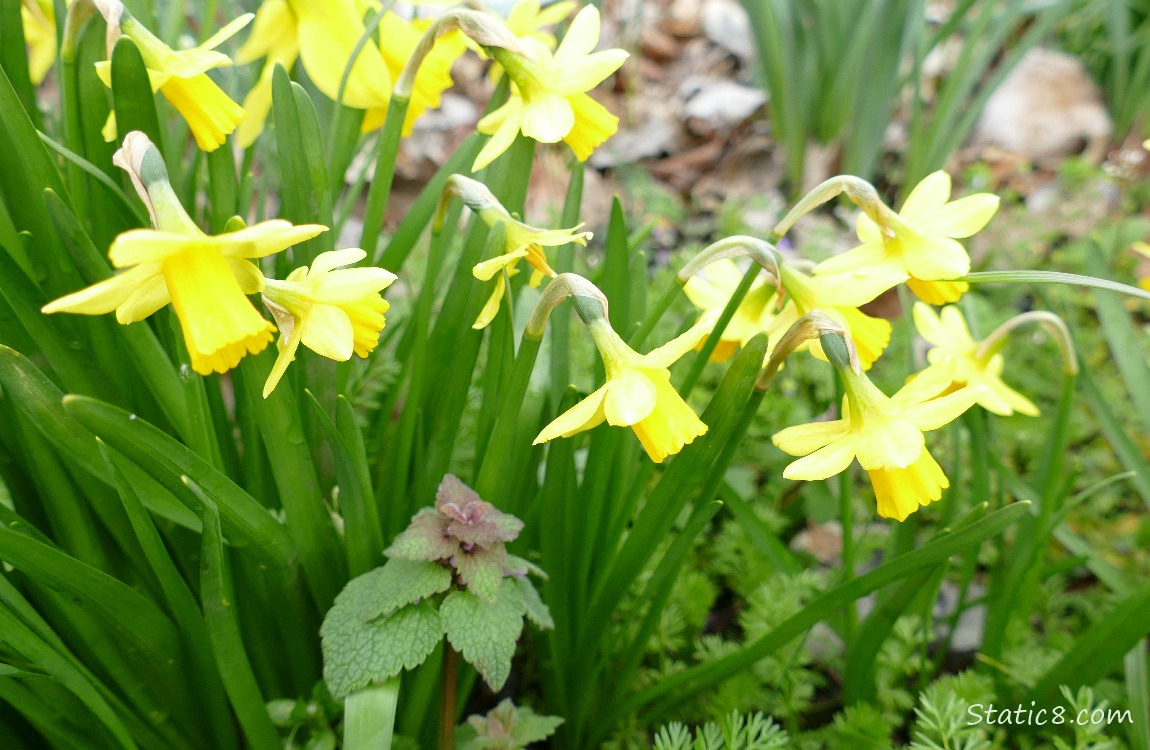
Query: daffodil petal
point(487, 269)
point(103, 296)
point(932, 414)
point(148, 297)
point(670, 353)
point(630, 398)
point(265, 238)
point(227, 32)
point(938, 292)
point(588, 72)
point(929, 325)
point(866, 256)
point(927, 197)
point(333, 259)
point(147, 245)
point(804, 439)
point(827, 461)
point(274, 28)
point(327, 331)
point(963, 217)
point(934, 258)
point(491, 307)
point(581, 37)
point(503, 126)
point(350, 284)
point(584, 415)
point(286, 357)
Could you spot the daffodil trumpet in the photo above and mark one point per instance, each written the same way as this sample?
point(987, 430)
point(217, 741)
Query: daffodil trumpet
point(206, 278)
point(638, 392)
point(885, 434)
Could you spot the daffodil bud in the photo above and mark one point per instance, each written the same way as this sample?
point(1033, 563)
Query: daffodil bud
point(565, 285)
point(140, 158)
point(811, 326)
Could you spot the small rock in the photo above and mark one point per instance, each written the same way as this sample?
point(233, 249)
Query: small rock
point(719, 104)
point(1046, 109)
point(725, 23)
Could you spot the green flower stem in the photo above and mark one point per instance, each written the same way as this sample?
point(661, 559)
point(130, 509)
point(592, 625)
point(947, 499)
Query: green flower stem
point(717, 332)
point(565, 262)
point(846, 518)
point(380, 190)
point(369, 717)
point(655, 315)
point(447, 699)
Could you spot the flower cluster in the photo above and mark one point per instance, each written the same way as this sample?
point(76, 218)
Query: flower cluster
point(207, 280)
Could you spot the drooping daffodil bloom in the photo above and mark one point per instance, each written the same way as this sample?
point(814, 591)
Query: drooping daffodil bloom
point(638, 392)
point(838, 296)
point(181, 76)
point(206, 278)
point(332, 310)
point(885, 435)
point(39, 21)
point(548, 100)
point(921, 241)
point(710, 293)
point(324, 36)
point(519, 241)
point(956, 351)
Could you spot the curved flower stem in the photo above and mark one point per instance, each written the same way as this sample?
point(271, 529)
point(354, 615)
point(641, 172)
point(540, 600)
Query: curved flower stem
point(859, 191)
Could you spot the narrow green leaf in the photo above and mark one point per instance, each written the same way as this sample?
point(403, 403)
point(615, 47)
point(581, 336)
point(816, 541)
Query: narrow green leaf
point(41, 401)
point(1100, 647)
point(224, 632)
point(1053, 277)
point(369, 717)
point(132, 97)
point(247, 523)
point(305, 516)
point(683, 686)
point(13, 59)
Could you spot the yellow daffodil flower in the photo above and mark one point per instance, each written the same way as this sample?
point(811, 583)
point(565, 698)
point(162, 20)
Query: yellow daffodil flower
point(922, 240)
point(1143, 249)
point(638, 393)
point(955, 349)
point(520, 241)
point(39, 21)
point(753, 315)
point(885, 435)
point(839, 296)
point(324, 36)
point(333, 311)
point(548, 99)
point(180, 75)
point(206, 278)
